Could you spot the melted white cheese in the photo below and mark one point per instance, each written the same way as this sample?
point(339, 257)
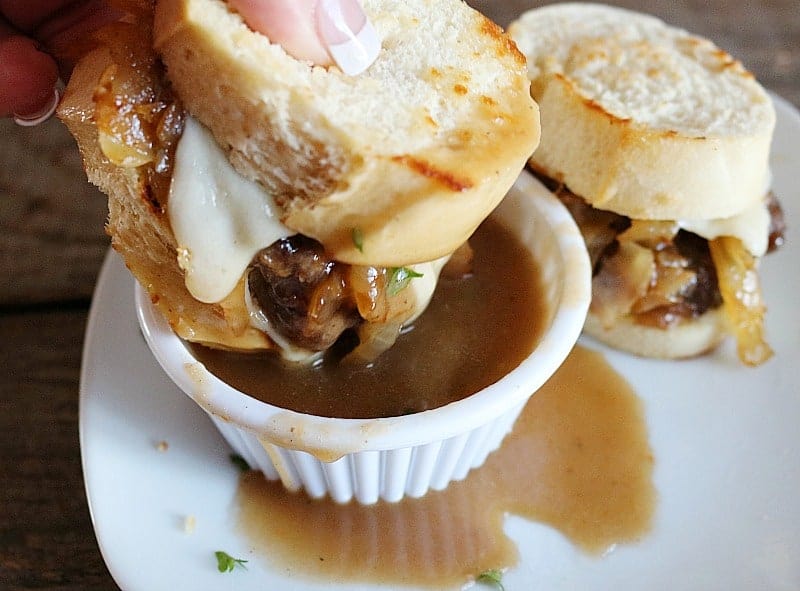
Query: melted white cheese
point(219, 218)
point(751, 226)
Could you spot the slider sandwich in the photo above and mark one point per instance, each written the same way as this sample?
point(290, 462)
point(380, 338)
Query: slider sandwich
point(267, 203)
point(658, 143)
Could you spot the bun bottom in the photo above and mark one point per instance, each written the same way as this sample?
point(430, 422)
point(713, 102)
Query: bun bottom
point(688, 339)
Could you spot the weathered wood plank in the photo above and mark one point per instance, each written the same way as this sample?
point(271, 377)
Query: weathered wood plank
point(46, 538)
point(52, 239)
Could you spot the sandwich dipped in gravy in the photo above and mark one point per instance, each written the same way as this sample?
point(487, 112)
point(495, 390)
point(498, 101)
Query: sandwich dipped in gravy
point(658, 143)
point(266, 203)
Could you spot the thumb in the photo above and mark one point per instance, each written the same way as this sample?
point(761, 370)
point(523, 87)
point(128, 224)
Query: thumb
point(319, 31)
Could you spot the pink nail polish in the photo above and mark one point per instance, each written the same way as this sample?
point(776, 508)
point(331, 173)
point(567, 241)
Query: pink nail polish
point(42, 115)
point(347, 34)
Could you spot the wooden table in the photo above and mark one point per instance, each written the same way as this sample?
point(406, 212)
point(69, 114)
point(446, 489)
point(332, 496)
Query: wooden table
point(51, 246)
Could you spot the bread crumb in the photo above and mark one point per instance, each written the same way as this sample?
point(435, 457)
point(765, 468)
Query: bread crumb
point(189, 524)
point(162, 446)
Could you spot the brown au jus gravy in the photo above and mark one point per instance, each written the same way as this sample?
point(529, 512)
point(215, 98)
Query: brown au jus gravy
point(577, 460)
point(475, 330)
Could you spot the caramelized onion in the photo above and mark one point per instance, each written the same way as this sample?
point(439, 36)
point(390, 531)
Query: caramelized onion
point(673, 281)
point(623, 278)
point(122, 133)
point(139, 121)
point(325, 299)
point(375, 305)
point(741, 298)
point(374, 339)
point(670, 286)
point(383, 313)
point(650, 233)
point(368, 285)
point(598, 227)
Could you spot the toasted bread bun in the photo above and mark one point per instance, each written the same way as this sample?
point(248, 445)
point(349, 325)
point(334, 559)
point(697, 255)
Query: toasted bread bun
point(687, 339)
point(414, 153)
point(644, 119)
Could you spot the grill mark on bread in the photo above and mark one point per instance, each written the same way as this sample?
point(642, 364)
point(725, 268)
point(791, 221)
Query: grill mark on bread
point(505, 45)
point(323, 193)
point(590, 103)
point(428, 170)
point(615, 119)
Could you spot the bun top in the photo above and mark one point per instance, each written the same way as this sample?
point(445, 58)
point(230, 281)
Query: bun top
point(435, 131)
point(642, 118)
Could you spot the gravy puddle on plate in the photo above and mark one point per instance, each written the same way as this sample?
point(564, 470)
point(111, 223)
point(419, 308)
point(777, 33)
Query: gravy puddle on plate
point(578, 460)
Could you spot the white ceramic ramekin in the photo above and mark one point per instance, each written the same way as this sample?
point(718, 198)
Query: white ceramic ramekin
point(389, 458)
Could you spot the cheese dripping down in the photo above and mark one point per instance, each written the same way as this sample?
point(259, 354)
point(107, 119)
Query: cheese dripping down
point(221, 220)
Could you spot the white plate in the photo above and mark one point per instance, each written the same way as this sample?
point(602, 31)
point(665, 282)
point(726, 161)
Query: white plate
point(726, 441)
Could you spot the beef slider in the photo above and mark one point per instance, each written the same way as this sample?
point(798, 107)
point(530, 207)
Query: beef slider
point(664, 128)
point(678, 279)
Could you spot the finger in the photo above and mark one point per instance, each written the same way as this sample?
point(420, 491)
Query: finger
point(288, 23)
point(27, 76)
point(347, 34)
point(320, 31)
point(59, 25)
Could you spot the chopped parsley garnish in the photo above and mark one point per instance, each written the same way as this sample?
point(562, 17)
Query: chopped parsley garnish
point(399, 278)
point(226, 563)
point(358, 239)
point(240, 462)
point(492, 577)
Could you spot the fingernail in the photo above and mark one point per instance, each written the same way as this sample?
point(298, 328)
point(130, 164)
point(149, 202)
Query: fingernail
point(347, 34)
point(42, 115)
